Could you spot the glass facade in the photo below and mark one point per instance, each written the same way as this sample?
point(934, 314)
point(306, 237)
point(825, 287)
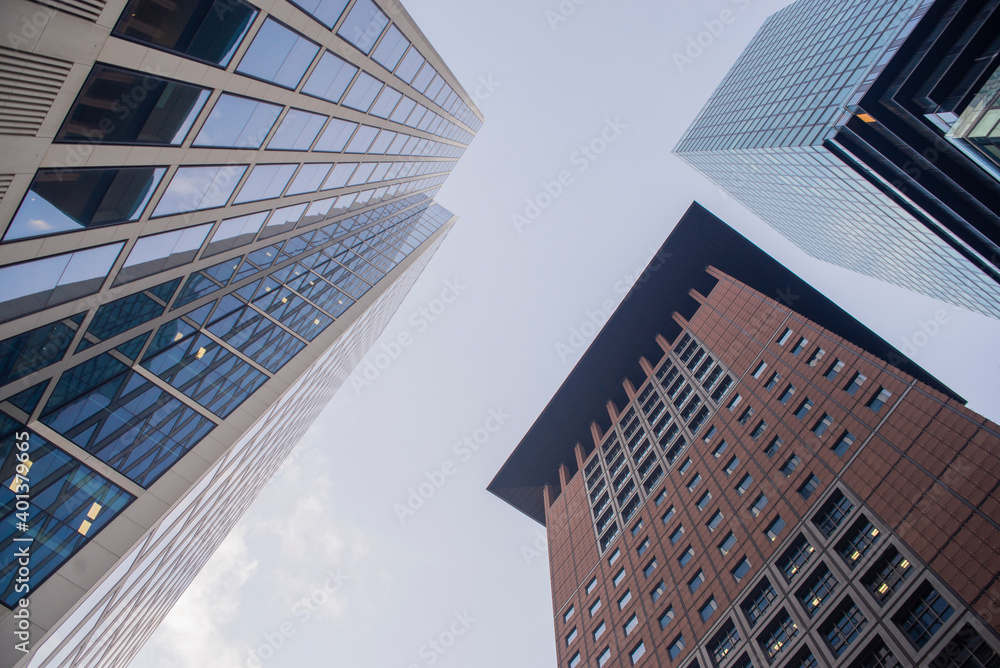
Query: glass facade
point(763, 137)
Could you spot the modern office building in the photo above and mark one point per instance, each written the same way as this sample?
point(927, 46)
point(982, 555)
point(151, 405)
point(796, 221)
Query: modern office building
point(865, 132)
point(737, 473)
point(209, 210)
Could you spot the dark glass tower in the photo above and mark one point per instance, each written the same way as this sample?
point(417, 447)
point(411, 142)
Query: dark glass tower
point(208, 213)
point(738, 473)
point(835, 127)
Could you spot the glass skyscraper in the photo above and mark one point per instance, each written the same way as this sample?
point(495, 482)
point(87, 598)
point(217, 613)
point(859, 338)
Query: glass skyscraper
point(829, 127)
point(209, 212)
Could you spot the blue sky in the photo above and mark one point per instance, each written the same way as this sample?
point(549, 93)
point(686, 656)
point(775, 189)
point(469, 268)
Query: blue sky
point(583, 102)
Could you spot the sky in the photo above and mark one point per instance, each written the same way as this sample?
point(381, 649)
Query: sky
point(340, 562)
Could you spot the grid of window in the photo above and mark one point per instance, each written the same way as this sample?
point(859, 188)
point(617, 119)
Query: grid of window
point(843, 627)
point(777, 635)
point(967, 650)
point(758, 601)
point(922, 615)
point(833, 512)
point(724, 641)
point(887, 574)
point(821, 585)
point(796, 557)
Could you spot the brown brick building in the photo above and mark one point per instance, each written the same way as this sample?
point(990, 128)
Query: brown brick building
point(735, 475)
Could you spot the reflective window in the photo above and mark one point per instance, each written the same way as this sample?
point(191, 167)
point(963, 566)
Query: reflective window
point(283, 220)
point(362, 173)
point(424, 77)
point(362, 139)
point(265, 182)
point(235, 232)
point(386, 102)
point(336, 135)
point(238, 122)
point(391, 48)
point(326, 12)
point(34, 285)
point(297, 131)
point(331, 78)
point(196, 188)
point(278, 55)
point(403, 110)
point(381, 144)
point(64, 200)
point(207, 30)
point(411, 64)
point(117, 106)
point(123, 314)
point(159, 252)
point(363, 92)
point(309, 178)
point(434, 87)
point(36, 348)
point(339, 175)
point(363, 25)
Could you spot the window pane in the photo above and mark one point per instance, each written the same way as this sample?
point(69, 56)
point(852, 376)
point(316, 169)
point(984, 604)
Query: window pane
point(331, 78)
point(297, 131)
point(265, 182)
point(386, 102)
point(326, 12)
point(382, 143)
point(278, 55)
point(411, 65)
point(309, 178)
point(403, 110)
point(195, 188)
point(335, 137)
point(363, 92)
point(391, 48)
point(363, 139)
point(361, 175)
point(238, 122)
point(160, 252)
point(159, 111)
point(283, 219)
point(208, 30)
point(235, 232)
point(363, 25)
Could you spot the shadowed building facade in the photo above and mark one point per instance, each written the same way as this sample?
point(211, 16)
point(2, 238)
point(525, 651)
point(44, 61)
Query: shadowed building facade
point(865, 132)
point(209, 210)
point(738, 473)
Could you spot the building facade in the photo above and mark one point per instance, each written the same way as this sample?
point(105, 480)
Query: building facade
point(209, 212)
point(757, 487)
point(839, 125)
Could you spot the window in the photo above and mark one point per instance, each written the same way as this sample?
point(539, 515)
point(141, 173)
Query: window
point(591, 585)
point(265, 182)
point(63, 200)
point(809, 486)
point(734, 402)
point(237, 122)
point(787, 334)
point(637, 652)
point(676, 647)
point(614, 557)
point(619, 576)
point(820, 586)
point(599, 631)
point(709, 434)
point(657, 591)
point(843, 444)
point(594, 607)
point(363, 25)
point(773, 446)
point(746, 415)
point(758, 430)
point(363, 92)
point(649, 568)
point(833, 512)
point(696, 582)
point(877, 655)
point(857, 380)
point(643, 546)
point(575, 661)
point(720, 449)
point(795, 557)
point(834, 369)
point(706, 610)
point(887, 575)
point(297, 131)
point(787, 394)
point(744, 485)
point(685, 466)
point(391, 49)
point(148, 123)
point(676, 535)
point(774, 529)
point(881, 397)
point(758, 505)
point(666, 617)
point(777, 635)
point(804, 408)
point(703, 501)
point(694, 482)
point(713, 523)
point(727, 543)
point(686, 556)
point(723, 642)
point(804, 659)
point(605, 655)
point(800, 346)
point(568, 613)
point(741, 569)
point(822, 424)
point(858, 541)
point(966, 650)
point(758, 602)
point(278, 55)
point(206, 30)
point(330, 79)
point(772, 381)
point(197, 188)
point(759, 371)
point(571, 637)
point(159, 252)
point(668, 514)
point(744, 662)
point(637, 528)
point(843, 627)
point(630, 625)
point(790, 465)
point(661, 497)
point(816, 357)
point(625, 598)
